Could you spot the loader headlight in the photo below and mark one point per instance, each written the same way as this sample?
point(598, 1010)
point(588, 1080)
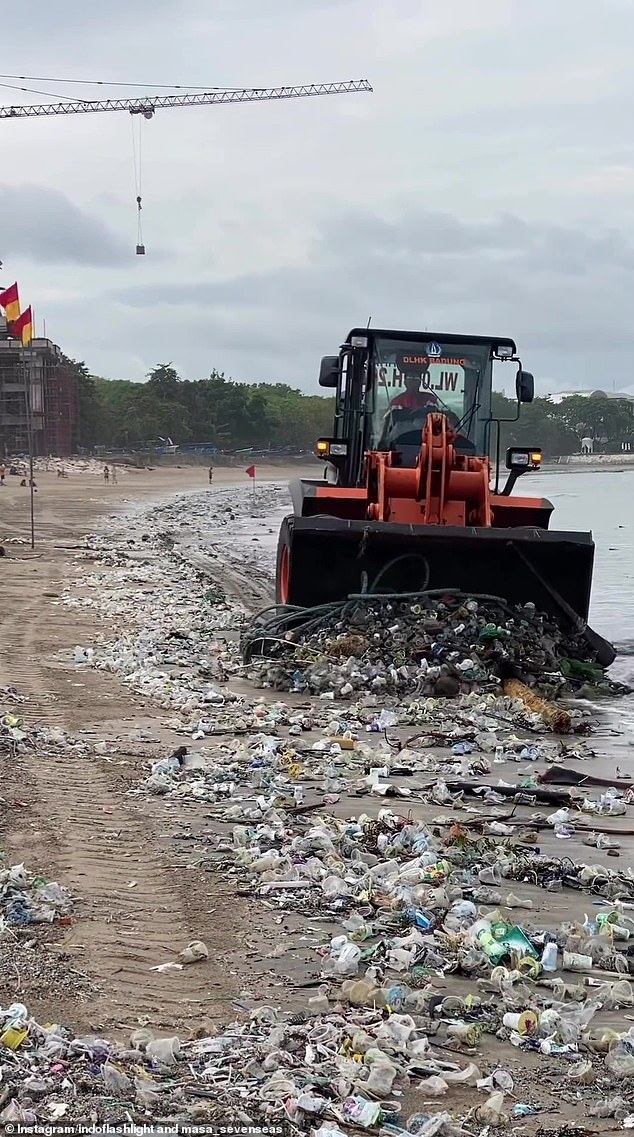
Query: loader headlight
point(523, 458)
point(331, 448)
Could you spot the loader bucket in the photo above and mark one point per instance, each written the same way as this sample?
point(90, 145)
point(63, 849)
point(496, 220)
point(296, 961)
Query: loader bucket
point(325, 559)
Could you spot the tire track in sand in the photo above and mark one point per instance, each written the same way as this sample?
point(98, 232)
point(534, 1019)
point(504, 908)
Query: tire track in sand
point(135, 912)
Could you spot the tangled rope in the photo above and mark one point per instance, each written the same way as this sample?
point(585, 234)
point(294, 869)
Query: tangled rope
point(273, 625)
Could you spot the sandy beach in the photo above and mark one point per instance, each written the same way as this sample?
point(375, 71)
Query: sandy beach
point(70, 816)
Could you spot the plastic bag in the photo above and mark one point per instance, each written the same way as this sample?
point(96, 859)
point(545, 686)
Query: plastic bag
point(165, 1050)
point(435, 1086)
point(492, 1112)
point(620, 1060)
point(344, 962)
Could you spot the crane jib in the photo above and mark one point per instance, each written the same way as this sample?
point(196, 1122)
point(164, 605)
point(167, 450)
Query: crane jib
point(150, 103)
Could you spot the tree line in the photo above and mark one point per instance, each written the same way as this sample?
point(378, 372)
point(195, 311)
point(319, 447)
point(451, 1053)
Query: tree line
point(559, 427)
point(119, 414)
point(216, 411)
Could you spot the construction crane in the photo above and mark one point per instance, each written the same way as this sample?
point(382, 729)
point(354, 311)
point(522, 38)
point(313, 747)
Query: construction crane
point(146, 106)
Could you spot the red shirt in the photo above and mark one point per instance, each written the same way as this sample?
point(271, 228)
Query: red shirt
point(414, 401)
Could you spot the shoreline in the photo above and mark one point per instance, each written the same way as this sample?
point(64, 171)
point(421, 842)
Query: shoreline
point(619, 467)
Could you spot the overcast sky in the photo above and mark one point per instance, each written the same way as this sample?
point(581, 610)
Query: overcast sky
point(486, 186)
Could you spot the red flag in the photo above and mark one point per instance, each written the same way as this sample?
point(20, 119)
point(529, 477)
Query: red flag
point(250, 470)
point(22, 328)
point(10, 301)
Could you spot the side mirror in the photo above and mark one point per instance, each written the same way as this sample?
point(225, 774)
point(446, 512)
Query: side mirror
point(525, 387)
point(329, 371)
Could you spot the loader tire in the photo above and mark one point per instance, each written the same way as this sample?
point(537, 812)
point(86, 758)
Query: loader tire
point(284, 567)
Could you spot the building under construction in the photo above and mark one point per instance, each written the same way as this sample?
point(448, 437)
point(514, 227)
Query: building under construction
point(38, 399)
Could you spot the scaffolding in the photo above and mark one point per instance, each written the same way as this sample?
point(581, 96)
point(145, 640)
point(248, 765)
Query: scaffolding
point(38, 373)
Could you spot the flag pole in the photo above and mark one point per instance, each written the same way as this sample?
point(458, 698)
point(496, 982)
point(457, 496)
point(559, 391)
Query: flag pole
point(29, 430)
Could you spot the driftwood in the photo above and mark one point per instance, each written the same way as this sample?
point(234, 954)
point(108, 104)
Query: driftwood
point(560, 776)
point(558, 719)
point(476, 789)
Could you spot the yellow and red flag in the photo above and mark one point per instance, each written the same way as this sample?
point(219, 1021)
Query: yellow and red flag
point(22, 328)
point(10, 301)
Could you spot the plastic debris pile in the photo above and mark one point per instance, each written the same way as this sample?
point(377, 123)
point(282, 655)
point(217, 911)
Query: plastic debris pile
point(438, 644)
point(322, 1072)
point(430, 968)
point(169, 650)
point(76, 466)
point(26, 898)
point(155, 580)
point(33, 912)
point(14, 736)
point(178, 642)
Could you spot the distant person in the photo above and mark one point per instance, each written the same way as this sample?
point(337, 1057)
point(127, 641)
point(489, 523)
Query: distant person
point(114, 474)
point(106, 475)
point(587, 445)
point(211, 474)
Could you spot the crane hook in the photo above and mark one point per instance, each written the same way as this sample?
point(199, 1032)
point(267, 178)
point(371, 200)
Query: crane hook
point(140, 249)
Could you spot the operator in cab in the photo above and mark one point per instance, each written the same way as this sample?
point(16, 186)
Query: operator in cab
point(413, 399)
point(413, 404)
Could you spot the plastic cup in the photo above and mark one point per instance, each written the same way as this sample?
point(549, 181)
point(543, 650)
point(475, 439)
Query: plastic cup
point(575, 961)
point(524, 1022)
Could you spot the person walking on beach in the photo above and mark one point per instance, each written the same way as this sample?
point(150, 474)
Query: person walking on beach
point(106, 475)
point(114, 474)
point(211, 474)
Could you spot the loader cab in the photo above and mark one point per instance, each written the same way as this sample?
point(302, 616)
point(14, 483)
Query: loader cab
point(387, 383)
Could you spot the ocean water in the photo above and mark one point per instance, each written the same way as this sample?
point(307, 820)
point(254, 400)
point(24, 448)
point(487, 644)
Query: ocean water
point(603, 503)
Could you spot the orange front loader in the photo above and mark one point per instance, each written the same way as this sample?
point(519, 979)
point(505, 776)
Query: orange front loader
point(406, 504)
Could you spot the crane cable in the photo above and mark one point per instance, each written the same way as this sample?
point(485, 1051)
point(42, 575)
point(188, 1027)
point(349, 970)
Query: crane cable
point(110, 83)
point(137, 159)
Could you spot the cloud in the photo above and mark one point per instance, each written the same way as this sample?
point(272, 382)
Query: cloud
point(537, 282)
point(485, 186)
point(44, 226)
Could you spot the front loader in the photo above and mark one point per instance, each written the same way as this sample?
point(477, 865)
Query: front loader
point(406, 503)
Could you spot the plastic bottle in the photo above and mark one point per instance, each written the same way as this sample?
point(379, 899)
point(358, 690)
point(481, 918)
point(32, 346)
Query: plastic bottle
point(396, 996)
point(549, 959)
point(420, 918)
